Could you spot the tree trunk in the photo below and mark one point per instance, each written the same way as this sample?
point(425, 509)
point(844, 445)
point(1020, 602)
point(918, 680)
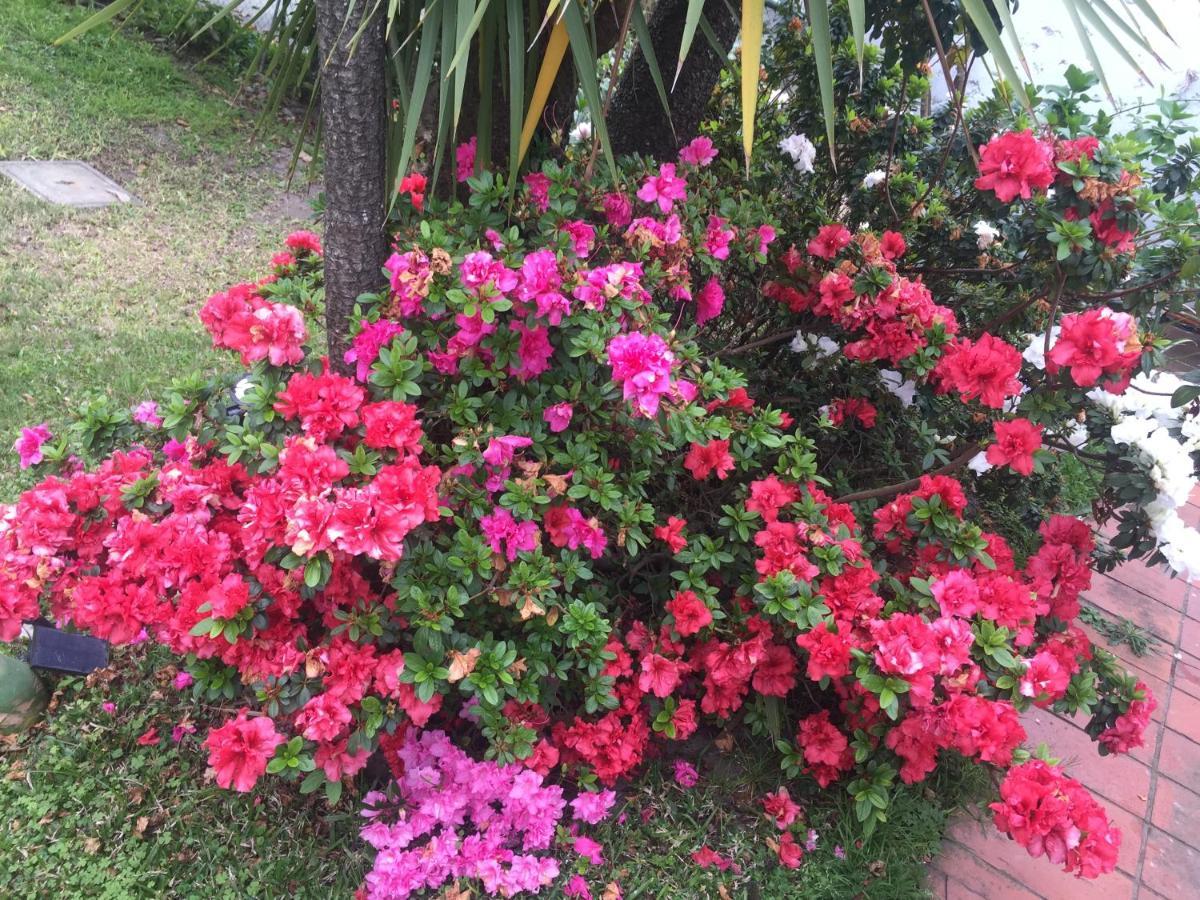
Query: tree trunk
point(354, 122)
point(636, 122)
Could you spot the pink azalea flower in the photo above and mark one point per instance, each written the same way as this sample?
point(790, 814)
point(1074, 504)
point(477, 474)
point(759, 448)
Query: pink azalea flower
point(558, 416)
point(710, 301)
point(147, 414)
point(592, 807)
point(539, 190)
point(500, 450)
point(183, 681)
point(109, 707)
point(590, 850)
point(699, 153)
point(664, 188)
point(464, 158)
point(618, 210)
point(29, 445)
point(685, 774)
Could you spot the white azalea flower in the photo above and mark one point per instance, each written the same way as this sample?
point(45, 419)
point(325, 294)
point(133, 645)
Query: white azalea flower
point(242, 387)
point(979, 463)
point(874, 179)
point(986, 234)
point(900, 388)
point(1035, 353)
point(819, 345)
point(581, 132)
point(801, 150)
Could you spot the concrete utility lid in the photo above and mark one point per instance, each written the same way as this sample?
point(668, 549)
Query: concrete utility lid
point(66, 182)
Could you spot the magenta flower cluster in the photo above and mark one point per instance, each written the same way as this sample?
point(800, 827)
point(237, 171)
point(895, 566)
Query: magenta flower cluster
point(453, 817)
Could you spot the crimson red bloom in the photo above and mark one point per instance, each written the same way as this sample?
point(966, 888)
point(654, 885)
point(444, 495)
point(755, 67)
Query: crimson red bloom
point(239, 750)
point(1050, 814)
point(1095, 343)
point(780, 807)
point(414, 186)
point(986, 369)
point(1016, 442)
point(705, 459)
point(791, 854)
point(672, 533)
point(1014, 165)
point(825, 749)
point(690, 612)
point(892, 245)
point(830, 241)
point(828, 653)
point(392, 425)
point(1107, 231)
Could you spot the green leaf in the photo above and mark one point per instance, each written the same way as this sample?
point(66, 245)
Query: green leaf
point(333, 792)
point(1190, 268)
point(1085, 40)
point(516, 84)
point(420, 87)
point(822, 41)
point(858, 26)
point(691, 20)
point(585, 62)
point(1184, 395)
point(1006, 19)
point(97, 19)
point(642, 31)
point(312, 781)
point(982, 20)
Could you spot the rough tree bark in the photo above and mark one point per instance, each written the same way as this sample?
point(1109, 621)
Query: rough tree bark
point(354, 123)
point(636, 123)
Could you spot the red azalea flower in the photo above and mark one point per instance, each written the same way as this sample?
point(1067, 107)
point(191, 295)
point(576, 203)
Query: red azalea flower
point(986, 369)
point(239, 750)
point(660, 676)
point(830, 241)
point(1016, 442)
point(148, 738)
point(705, 459)
point(1015, 164)
point(690, 612)
point(672, 533)
point(892, 245)
point(414, 186)
point(828, 653)
point(791, 854)
point(780, 807)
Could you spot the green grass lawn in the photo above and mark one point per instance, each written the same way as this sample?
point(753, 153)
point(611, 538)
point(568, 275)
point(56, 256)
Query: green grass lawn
point(105, 300)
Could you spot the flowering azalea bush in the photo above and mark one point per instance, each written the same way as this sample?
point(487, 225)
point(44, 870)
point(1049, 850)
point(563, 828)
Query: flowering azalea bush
point(580, 489)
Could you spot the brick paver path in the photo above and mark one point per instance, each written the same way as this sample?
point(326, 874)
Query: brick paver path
point(1153, 794)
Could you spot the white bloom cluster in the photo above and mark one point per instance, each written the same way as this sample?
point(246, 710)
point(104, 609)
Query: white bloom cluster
point(979, 463)
point(820, 345)
point(1146, 422)
point(874, 179)
point(1035, 353)
point(900, 388)
point(801, 150)
point(581, 132)
point(986, 234)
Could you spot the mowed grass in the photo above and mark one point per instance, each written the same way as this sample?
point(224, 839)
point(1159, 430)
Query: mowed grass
point(104, 301)
point(87, 811)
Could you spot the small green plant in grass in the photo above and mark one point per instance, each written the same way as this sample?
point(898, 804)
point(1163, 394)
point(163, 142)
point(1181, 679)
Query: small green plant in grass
point(1119, 631)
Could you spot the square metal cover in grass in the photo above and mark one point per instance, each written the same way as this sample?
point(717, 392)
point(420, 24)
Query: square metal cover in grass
point(67, 182)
